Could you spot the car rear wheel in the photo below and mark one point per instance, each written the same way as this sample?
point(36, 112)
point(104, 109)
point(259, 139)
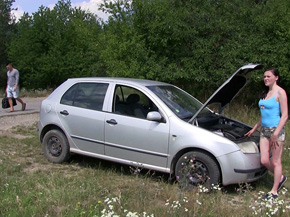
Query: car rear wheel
point(55, 146)
point(197, 168)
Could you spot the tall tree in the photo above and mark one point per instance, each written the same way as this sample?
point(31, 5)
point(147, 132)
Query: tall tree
point(55, 44)
point(7, 25)
point(194, 42)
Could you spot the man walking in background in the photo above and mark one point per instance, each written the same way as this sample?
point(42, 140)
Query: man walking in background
point(12, 89)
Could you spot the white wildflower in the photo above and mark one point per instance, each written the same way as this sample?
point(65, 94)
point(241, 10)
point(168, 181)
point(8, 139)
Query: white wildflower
point(199, 203)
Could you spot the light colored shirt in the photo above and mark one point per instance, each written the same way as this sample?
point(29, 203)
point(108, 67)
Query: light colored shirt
point(12, 77)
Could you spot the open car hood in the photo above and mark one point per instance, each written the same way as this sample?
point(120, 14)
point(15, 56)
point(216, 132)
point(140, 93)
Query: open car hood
point(230, 88)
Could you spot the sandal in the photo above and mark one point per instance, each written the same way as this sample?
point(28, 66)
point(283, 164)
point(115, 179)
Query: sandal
point(270, 196)
point(23, 106)
point(282, 182)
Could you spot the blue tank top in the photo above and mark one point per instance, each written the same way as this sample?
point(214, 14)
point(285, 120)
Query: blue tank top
point(270, 111)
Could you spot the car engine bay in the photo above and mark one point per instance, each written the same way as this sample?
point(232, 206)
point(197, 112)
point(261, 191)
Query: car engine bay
point(229, 128)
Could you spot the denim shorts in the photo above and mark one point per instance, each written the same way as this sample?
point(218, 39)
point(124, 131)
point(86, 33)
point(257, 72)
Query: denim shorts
point(267, 132)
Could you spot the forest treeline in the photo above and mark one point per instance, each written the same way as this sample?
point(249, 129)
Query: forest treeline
point(195, 44)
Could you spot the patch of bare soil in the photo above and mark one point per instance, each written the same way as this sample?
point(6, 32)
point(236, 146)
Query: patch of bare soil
point(8, 122)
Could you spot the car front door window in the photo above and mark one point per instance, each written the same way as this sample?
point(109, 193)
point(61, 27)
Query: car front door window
point(132, 102)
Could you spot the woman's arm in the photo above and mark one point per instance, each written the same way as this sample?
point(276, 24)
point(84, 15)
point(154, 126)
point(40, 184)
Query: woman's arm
point(282, 99)
point(257, 125)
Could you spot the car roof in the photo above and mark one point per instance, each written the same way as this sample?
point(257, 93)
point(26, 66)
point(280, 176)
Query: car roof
point(133, 81)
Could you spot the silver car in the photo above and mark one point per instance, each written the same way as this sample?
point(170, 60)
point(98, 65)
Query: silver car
point(153, 125)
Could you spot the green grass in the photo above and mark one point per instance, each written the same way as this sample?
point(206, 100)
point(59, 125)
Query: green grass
point(31, 92)
point(32, 186)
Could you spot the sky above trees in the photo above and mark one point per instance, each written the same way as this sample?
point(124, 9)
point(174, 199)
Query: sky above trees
point(31, 6)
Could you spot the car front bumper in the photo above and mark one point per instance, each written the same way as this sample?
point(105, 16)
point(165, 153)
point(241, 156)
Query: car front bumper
point(238, 167)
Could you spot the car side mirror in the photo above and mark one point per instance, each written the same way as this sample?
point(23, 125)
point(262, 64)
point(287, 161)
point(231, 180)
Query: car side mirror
point(154, 116)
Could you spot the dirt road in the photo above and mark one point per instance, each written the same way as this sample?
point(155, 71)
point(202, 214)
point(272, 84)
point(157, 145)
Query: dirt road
point(26, 118)
point(32, 106)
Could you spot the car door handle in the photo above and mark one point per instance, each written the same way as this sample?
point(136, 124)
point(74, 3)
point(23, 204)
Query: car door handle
point(64, 112)
point(112, 121)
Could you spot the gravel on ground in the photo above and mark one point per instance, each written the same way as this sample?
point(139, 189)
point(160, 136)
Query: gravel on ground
point(25, 118)
point(7, 122)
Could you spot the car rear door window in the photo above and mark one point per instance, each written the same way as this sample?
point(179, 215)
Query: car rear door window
point(86, 95)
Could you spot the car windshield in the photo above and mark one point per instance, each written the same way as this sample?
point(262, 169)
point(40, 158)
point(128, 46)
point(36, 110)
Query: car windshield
point(181, 103)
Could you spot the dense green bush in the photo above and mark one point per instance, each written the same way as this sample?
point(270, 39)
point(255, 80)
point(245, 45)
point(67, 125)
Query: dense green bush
point(193, 44)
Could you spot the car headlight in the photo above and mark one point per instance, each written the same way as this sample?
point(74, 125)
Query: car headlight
point(249, 147)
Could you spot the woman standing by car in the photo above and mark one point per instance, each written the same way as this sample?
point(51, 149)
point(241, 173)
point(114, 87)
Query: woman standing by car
point(274, 114)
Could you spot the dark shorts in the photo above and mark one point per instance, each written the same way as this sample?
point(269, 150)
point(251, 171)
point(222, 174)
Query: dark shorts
point(267, 132)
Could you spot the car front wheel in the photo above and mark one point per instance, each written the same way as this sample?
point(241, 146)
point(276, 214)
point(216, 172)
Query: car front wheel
point(55, 146)
point(197, 168)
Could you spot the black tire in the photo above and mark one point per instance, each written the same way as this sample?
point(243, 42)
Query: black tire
point(197, 168)
point(55, 146)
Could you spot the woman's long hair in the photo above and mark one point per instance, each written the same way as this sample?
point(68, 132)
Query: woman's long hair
point(266, 89)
